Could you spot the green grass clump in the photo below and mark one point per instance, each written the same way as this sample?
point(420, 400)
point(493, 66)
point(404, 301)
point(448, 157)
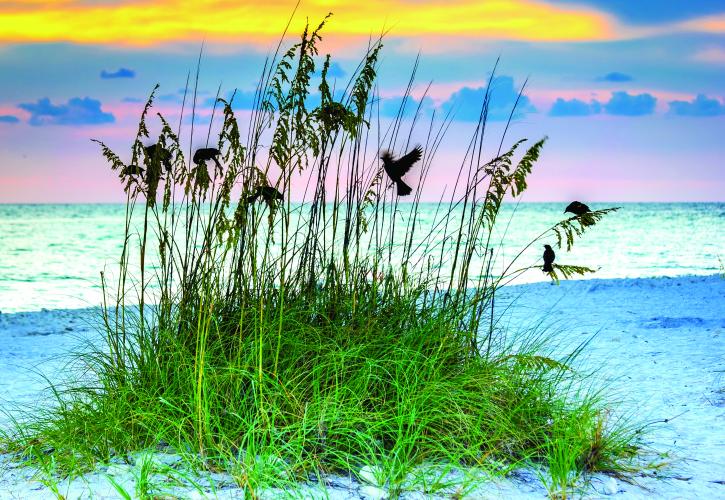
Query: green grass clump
point(278, 341)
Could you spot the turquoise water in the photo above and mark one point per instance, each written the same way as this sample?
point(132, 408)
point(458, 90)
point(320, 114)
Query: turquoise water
point(51, 255)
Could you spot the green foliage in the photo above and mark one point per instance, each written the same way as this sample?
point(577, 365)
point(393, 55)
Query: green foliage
point(333, 115)
point(569, 229)
point(498, 170)
point(533, 362)
point(568, 271)
point(117, 164)
point(364, 81)
point(523, 169)
point(504, 180)
point(292, 137)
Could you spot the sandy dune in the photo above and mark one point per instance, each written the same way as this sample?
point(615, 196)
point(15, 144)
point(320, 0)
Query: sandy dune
point(659, 343)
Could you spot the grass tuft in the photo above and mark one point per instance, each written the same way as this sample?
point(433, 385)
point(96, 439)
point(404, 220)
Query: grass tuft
point(280, 341)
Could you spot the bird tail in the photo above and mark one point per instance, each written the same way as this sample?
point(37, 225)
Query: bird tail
point(252, 198)
point(403, 188)
point(548, 268)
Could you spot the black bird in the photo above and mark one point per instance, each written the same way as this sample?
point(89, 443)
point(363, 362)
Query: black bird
point(268, 194)
point(132, 170)
point(163, 155)
point(396, 169)
point(549, 257)
point(204, 154)
point(577, 208)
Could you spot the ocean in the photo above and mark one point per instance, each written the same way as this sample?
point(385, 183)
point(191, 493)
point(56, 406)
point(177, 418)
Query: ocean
point(51, 256)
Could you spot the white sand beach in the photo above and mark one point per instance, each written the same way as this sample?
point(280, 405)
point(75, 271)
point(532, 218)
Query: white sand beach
point(660, 344)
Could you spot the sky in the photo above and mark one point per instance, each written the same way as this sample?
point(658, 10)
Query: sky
point(631, 94)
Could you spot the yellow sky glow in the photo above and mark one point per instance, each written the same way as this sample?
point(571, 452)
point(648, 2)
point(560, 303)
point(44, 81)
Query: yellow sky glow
point(148, 23)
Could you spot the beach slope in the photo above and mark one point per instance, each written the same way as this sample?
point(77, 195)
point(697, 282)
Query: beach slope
point(658, 344)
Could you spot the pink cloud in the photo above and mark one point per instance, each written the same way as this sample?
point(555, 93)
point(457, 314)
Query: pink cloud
point(715, 55)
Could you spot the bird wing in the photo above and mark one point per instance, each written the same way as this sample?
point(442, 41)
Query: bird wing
point(255, 194)
point(210, 153)
point(404, 163)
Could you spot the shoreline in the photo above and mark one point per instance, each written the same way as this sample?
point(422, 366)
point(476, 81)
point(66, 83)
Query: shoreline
point(522, 282)
point(659, 345)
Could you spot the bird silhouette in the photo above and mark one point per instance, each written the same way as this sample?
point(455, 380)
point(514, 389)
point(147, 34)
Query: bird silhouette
point(132, 170)
point(156, 152)
point(577, 208)
point(268, 193)
point(396, 169)
point(549, 257)
point(204, 154)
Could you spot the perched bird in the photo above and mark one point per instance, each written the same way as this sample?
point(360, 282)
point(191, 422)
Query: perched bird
point(577, 208)
point(159, 153)
point(268, 194)
point(396, 169)
point(132, 170)
point(204, 154)
point(549, 257)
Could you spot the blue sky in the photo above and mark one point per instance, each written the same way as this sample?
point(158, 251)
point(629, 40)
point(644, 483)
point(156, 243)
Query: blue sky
point(633, 101)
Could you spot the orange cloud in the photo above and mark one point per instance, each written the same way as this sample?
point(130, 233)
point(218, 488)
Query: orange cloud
point(146, 23)
point(709, 24)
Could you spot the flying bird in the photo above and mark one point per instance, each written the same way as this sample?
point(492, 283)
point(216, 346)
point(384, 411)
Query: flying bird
point(396, 169)
point(204, 154)
point(268, 193)
point(159, 153)
point(577, 208)
point(549, 257)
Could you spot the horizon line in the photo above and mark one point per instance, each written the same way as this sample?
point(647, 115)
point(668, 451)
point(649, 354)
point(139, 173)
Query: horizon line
point(122, 203)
